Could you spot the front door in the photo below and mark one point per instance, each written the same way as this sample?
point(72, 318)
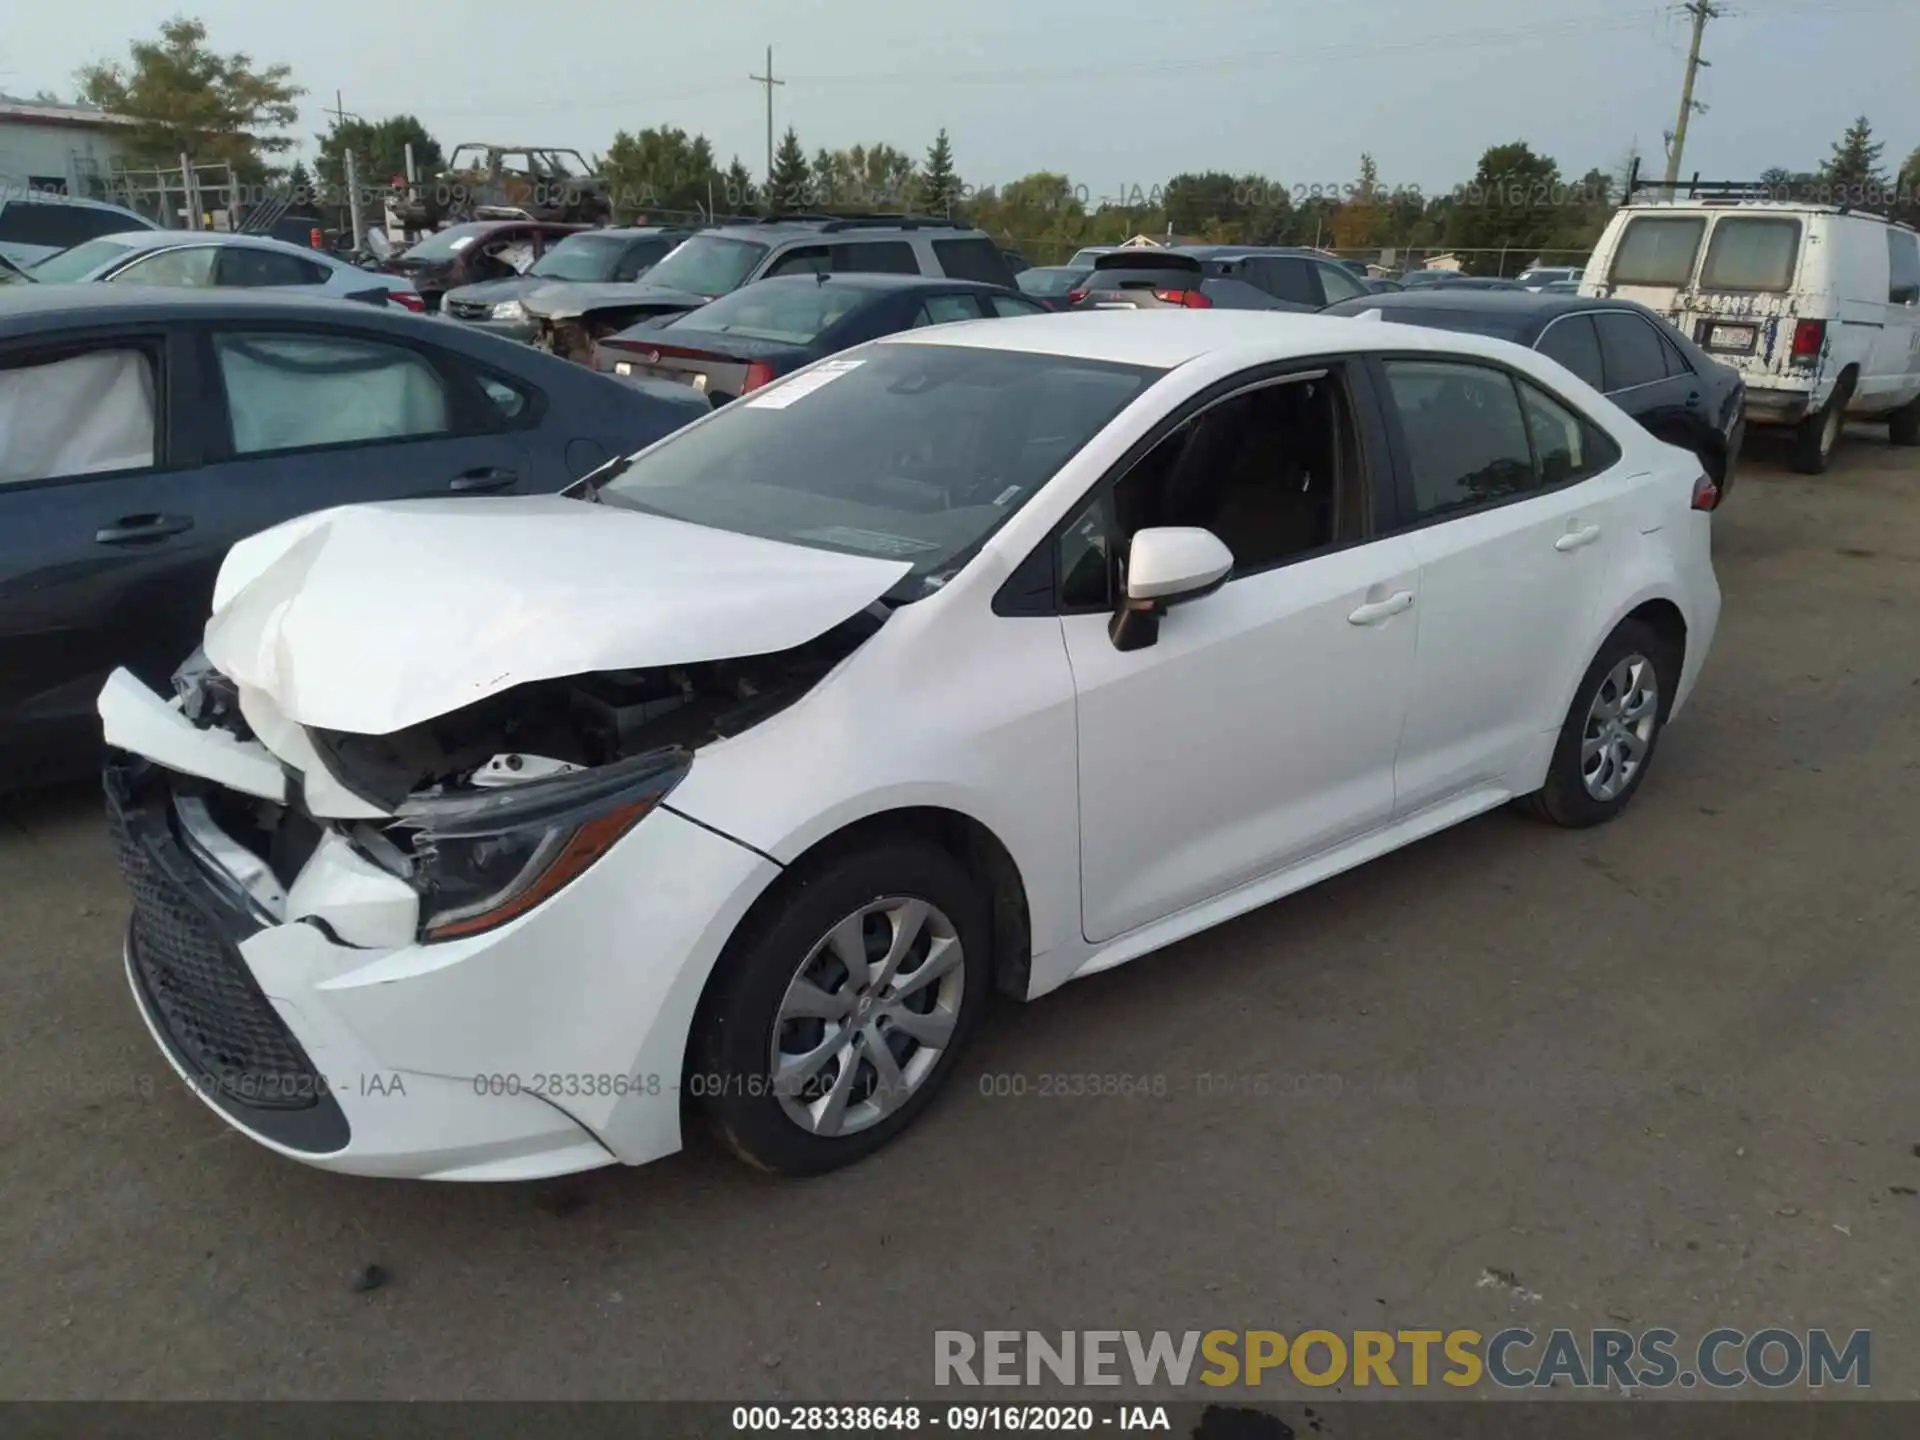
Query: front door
point(1260, 727)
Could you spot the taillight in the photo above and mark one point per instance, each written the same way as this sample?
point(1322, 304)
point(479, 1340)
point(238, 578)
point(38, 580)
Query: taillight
point(1808, 338)
point(1186, 299)
point(1074, 297)
point(408, 300)
point(1706, 494)
point(315, 240)
point(758, 373)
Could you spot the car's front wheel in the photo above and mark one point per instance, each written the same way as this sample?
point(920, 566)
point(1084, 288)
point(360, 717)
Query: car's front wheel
point(1611, 730)
point(837, 1014)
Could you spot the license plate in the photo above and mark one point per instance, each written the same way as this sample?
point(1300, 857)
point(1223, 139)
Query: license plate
point(1737, 338)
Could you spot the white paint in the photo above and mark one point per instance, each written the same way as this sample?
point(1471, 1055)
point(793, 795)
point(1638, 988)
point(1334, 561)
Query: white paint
point(1174, 560)
point(137, 720)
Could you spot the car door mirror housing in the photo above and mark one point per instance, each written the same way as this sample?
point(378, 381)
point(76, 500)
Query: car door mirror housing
point(1166, 565)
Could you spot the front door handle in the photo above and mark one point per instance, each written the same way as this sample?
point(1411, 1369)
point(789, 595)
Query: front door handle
point(135, 529)
point(1575, 539)
point(486, 477)
point(1375, 611)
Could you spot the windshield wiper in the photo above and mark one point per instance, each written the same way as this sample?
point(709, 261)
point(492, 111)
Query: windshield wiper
point(589, 485)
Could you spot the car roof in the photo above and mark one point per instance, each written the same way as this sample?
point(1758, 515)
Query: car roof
point(26, 308)
point(78, 201)
point(164, 239)
point(1166, 338)
point(874, 280)
point(1234, 252)
point(634, 232)
point(775, 230)
point(1510, 313)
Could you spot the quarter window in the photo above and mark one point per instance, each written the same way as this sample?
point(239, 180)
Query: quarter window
point(1658, 250)
point(945, 309)
point(1008, 306)
point(1903, 267)
point(1339, 283)
point(301, 392)
point(1466, 438)
point(1565, 447)
point(248, 265)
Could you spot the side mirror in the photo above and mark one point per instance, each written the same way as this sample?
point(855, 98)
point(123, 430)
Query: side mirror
point(1167, 565)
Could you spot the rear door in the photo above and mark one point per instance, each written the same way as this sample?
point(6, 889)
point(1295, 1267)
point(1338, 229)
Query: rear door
point(1750, 290)
point(1647, 377)
point(1286, 277)
point(103, 535)
point(1515, 509)
point(1897, 357)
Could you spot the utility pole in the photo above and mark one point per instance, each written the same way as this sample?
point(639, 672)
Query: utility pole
point(769, 82)
point(1702, 11)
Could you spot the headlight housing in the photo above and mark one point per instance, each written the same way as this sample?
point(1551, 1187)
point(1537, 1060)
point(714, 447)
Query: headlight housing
point(509, 310)
point(481, 859)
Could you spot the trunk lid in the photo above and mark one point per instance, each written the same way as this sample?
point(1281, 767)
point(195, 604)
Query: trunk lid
point(715, 365)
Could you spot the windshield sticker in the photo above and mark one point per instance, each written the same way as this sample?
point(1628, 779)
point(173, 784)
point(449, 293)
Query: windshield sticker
point(873, 542)
point(802, 386)
point(462, 243)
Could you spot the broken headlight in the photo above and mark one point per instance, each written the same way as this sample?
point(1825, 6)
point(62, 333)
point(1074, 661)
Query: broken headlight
point(509, 310)
point(483, 858)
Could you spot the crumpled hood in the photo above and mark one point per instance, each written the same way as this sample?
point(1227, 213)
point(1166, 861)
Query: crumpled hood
point(494, 291)
point(561, 300)
point(371, 618)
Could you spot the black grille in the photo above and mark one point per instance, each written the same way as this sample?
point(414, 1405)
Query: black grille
point(198, 989)
point(469, 309)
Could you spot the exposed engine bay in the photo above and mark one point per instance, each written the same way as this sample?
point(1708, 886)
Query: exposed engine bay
point(554, 727)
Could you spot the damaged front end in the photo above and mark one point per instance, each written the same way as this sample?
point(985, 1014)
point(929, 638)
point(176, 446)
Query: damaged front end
point(488, 810)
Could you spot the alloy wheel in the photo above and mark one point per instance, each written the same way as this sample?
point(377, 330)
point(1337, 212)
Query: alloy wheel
point(867, 1016)
point(1619, 729)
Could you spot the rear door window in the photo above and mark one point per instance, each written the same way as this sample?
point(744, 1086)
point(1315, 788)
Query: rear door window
point(301, 392)
point(87, 414)
point(1752, 253)
point(1286, 276)
point(1007, 306)
point(1573, 342)
point(875, 257)
point(976, 259)
point(1658, 250)
point(247, 265)
point(1466, 436)
point(190, 268)
point(945, 309)
point(1632, 351)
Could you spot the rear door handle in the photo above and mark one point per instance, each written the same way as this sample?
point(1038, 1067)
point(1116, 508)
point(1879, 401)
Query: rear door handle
point(1575, 539)
point(1375, 611)
point(134, 529)
point(487, 477)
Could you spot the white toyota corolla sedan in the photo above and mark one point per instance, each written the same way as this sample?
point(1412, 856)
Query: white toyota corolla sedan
point(492, 838)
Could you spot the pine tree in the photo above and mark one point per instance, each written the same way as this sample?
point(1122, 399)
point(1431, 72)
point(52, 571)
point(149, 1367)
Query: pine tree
point(791, 182)
point(1855, 163)
point(939, 185)
point(739, 193)
point(299, 185)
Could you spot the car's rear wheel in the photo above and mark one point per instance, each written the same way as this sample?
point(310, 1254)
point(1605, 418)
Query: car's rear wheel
point(1903, 426)
point(1611, 731)
point(1818, 436)
point(837, 1015)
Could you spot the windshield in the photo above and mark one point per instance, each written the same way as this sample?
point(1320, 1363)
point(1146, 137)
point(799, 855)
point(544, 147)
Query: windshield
point(911, 452)
point(1051, 282)
point(447, 243)
point(707, 265)
point(793, 313)
point(79, 262)
point(581, 257)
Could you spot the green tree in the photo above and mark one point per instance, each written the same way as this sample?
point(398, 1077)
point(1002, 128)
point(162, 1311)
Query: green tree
point(662, 169)
point(300, 185)
point(738, 194)
point(379, 150)
point(940, 192)
point(190, 100)
point(1854, 165)
point(1511, 209)
point(1197, 204)
point(1907, 189)
point(875, 177)
point(790, 185)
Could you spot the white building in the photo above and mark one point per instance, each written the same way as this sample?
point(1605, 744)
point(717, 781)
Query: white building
point(65, 149)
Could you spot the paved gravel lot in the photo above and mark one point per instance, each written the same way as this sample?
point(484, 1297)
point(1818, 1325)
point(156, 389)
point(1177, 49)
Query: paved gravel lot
point(1661, 1072)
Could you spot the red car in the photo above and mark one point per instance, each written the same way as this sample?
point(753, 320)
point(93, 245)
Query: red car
point(479, 250)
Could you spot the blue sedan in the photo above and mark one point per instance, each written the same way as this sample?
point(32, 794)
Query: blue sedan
point(143, 432)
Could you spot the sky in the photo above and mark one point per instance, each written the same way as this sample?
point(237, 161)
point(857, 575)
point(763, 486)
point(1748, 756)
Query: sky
point(1119, 95)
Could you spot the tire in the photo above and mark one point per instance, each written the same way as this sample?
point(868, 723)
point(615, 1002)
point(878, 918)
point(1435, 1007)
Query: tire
point(1567, 798)
point(1818, 436)
point(748, 1010)
point(1903, 426)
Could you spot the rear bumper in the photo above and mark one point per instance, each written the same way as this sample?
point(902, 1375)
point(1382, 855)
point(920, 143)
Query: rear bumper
point(1770, 405)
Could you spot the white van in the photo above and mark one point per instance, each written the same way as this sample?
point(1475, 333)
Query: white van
point(1816, 306)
